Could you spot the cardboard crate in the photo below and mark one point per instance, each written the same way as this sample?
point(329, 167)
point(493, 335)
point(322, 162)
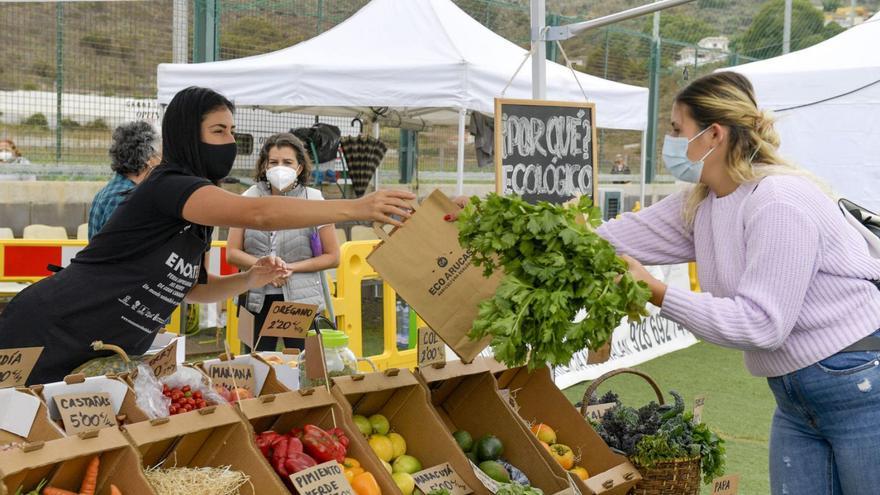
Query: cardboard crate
point(63, 462)
point(400, 397)
point(286, 374)
point(212, 437)
point(267, 382)
point(538, 400)
point(466, 398)
point(121, 394)
point(25, 418)
point(286, 411)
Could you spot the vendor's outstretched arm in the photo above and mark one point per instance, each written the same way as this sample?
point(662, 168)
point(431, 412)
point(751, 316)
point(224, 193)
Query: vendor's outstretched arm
point(211, 205)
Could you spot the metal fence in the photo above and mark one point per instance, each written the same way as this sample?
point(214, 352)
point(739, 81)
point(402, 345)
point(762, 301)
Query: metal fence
point(75, 70)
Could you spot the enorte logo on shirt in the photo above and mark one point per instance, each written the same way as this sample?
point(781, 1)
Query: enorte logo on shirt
point(176, 263)
point(452, 272)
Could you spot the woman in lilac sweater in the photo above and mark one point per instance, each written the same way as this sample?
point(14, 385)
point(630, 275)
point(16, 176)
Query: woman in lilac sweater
point(784, 278)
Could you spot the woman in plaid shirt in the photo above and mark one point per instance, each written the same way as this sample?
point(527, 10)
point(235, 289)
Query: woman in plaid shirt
point(134, 152)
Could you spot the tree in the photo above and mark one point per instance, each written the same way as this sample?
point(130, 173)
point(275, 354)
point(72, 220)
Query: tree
point(763, 39)
point(680, 27)
point(677, 31)
point(830, 5)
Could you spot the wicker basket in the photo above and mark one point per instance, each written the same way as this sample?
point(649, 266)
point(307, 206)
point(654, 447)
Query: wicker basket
point(673, 477)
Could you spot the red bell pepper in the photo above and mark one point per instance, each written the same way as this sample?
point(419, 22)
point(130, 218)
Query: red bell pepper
point(340, 437)
point(322, 446)
point(264, 442)
point(294, 446)
point(298, 462)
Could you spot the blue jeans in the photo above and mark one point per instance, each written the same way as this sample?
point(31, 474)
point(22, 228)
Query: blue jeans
point(825, 438)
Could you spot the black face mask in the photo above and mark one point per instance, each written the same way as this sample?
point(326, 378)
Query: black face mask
point(217, 159)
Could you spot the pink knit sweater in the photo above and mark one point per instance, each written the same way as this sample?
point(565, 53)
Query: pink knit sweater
point(784, 277)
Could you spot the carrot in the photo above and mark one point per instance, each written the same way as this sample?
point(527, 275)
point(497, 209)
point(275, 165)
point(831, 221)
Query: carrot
point(51, 490)
point(114, 490)
point(90, 480)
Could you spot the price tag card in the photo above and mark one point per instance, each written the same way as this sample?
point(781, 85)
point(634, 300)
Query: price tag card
point(232, 375)
point(16, 365)
point(165, 362)
point(431, 349)
point(289, 319)
point(323, 479)
point(596, 411)
point(441, 477)
point(246, 327)
point(316, 366)
point(699, 401)
point(509, 398)
point(490, 484)
point(727, 485)
point(85, 411)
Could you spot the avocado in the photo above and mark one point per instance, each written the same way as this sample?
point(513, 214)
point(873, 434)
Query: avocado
point(495, 471)
point(464, 439)
point(489, 448)
point(472, 456)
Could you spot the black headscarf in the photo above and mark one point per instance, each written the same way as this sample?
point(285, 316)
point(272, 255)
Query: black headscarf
point(182, 127)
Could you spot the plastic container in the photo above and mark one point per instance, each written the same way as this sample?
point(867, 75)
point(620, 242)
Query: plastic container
point(338, 358)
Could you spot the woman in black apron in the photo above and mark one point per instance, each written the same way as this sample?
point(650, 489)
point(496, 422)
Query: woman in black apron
point(150, 255)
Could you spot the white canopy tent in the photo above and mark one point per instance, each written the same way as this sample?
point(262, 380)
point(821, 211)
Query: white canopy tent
point(827, 99)
point(427, 61)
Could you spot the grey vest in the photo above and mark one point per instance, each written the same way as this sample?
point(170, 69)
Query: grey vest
point(291, 245)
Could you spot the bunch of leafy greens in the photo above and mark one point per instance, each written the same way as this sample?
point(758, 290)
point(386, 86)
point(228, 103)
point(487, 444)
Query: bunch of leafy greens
point(554, 266)
point(657, 433)
point(517, 489)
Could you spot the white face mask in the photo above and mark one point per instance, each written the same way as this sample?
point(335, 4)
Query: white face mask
point(282, 178)
point(6, 156)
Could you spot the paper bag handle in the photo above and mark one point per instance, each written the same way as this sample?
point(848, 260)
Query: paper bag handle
point(380, 232)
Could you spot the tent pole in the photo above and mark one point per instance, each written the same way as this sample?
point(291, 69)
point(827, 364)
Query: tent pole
point(643, 169)
point(459, 184)
point(379, 168)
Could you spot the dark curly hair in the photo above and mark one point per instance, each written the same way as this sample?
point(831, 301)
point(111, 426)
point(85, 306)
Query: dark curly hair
point(284, 140)
point(134, 143)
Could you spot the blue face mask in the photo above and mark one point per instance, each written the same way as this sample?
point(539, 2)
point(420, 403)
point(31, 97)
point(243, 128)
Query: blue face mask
point(675, 157)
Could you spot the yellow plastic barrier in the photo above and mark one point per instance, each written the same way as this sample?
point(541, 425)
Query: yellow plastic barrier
point(354, 269)
point(692, 273)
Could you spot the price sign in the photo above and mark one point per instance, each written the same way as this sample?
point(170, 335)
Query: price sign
point(165, 362)
point(16, 365)
point(441, 477)
point(597, 411)
point(698, 409)
point(85, 411)
point(431, 349)
point(232, 375)
point(509, 398)
point(727, 485)
point(289, 319)
point(323, 479)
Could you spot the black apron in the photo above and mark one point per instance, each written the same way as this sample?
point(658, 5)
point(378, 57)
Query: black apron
point(124, 303)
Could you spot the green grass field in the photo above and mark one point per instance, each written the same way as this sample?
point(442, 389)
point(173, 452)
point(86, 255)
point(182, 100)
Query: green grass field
point(738, 406)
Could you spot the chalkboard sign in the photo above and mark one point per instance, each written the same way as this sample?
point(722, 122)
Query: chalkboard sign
point(545, 150)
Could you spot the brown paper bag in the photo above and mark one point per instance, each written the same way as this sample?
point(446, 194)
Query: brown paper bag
point(425, 264)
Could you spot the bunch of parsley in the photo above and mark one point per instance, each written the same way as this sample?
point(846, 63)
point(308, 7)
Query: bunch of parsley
point(554, 265)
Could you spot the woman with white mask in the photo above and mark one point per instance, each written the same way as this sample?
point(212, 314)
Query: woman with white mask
point(283, 169)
